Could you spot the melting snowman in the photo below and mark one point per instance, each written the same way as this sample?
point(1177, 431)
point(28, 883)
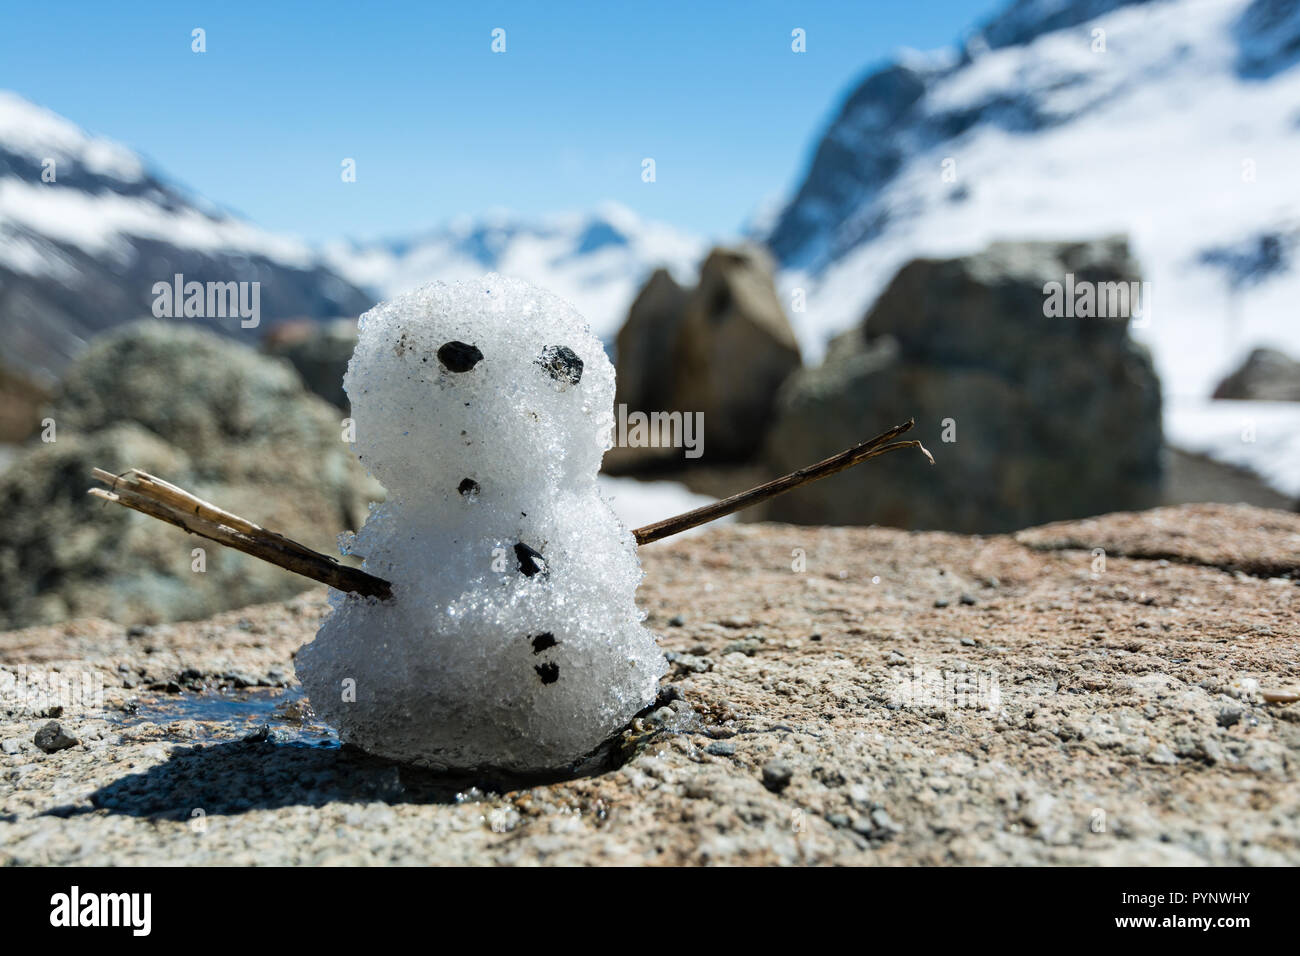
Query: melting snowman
point(512, 639)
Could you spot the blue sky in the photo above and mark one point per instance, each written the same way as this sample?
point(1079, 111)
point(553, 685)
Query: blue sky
point(441, 126)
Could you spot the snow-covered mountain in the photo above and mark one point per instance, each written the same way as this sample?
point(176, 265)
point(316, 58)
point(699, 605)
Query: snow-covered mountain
point(595, 261)
point(1174, 121)
point(86, 230)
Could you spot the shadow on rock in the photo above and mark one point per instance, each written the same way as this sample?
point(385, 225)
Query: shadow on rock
point(252, 774)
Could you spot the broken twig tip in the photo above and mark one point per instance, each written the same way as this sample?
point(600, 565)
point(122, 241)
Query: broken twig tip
point(882, 444)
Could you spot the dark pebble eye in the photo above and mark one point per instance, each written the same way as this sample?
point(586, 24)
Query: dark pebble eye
point(544, 642)
point(468, 487)
point(459, 356)
point(530, 560)
point(548, 672)
point(561, 364)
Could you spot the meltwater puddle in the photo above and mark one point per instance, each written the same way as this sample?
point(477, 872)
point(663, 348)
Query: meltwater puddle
point(235, 714)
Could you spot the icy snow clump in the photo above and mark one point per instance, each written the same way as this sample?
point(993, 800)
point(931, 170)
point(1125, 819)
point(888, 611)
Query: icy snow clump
point(512, 639)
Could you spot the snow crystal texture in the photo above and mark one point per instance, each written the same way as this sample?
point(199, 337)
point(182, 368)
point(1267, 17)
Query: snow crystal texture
point(513, 639)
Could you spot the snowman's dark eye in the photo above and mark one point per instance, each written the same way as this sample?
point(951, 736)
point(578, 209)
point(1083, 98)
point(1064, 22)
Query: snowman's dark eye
point(562, 364)
point(544, 642)
point(459, 356)
point(468, 487)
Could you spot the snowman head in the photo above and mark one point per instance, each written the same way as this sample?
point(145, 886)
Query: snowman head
point(455, 392)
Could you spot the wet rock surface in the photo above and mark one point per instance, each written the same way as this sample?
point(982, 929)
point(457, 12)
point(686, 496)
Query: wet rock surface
point(858, 711)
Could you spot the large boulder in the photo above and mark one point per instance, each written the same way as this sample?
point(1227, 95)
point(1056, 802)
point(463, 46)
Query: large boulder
point(1267, 375)
point(722, 349)
point(644, 345)
point(319, 351)
point(21, 400)
point(1031, 418)
point(228, 424)
point(734, 349)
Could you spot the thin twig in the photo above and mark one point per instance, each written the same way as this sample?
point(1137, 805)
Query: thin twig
point(160, 499)
point(880, 445)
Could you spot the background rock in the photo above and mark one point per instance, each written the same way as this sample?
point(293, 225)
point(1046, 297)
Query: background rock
point(21, 402)
point(721, 349)
point(1267, 375)
point(734, 349)
point(645, 372)
point(320, 351)
point(225, 423)
point(1051, 417)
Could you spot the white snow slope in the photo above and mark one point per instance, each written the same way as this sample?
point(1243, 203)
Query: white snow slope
point(1184, 133)
point(79, 209)
point(86, 229)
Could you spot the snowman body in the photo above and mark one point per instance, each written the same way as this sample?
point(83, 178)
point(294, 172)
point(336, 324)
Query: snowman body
point(512, 639)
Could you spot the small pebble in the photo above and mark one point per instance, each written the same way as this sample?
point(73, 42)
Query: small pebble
point(777, 775)
point(880, 817)
point(459, 356)
point(1229, 716)
point(968, 599)
point(548, 672)
point(721, 748)
point(669, 693)
point(562, 364)
point(1162, 755)
point(51, 738)
point(747, 646)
